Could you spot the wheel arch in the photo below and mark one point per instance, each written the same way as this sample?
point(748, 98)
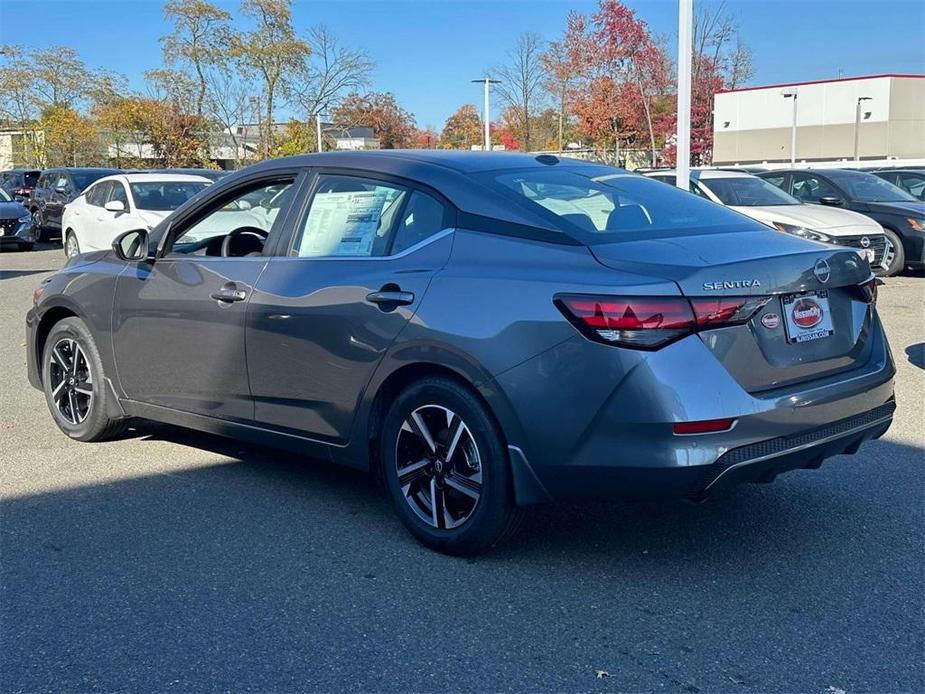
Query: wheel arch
point(51, 317)
point(389, 385)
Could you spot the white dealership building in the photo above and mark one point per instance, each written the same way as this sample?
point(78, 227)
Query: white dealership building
point(884, 113)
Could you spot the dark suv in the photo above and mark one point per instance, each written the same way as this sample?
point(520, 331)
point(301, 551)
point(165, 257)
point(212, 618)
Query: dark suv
point(55, 189)
point(901, 215)
point(19, 182)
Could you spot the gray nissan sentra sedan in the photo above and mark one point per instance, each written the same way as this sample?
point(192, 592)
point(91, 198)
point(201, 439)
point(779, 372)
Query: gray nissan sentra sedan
point(484, 331)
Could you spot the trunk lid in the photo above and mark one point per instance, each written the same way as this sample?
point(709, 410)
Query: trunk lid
point(762, 354)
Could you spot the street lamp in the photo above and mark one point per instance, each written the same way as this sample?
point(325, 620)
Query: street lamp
point(318, 130)
point(486, 118)
point(857, 125)
point(792, 94)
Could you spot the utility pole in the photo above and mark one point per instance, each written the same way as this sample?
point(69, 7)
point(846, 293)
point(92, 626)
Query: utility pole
point(792, 94)
point(857, 126)
point(486, 117)
point(685, 53)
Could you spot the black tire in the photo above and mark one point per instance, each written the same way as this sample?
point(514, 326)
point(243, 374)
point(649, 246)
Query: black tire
point(481, 447)
point(899, 255)
point(83, 418)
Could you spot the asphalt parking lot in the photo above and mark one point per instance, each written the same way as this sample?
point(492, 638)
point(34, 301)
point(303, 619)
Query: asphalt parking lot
point(176, 561)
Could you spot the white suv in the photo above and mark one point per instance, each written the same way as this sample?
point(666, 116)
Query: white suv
point(766, 203)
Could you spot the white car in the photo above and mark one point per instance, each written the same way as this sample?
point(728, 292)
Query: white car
point(122, 202)
point(758, 199)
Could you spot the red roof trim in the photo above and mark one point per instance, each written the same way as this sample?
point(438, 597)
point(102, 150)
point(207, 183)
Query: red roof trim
point(835, 79)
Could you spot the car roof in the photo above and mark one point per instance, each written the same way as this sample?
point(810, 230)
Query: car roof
point(157, 177)
point(459, 161)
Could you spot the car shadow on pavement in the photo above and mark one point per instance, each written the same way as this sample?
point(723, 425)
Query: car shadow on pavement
point(916, 354)
point(12, 274)
point(274, 572)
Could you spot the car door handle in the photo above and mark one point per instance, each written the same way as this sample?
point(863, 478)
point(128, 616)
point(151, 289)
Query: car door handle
point(392, 298)
point(229, 294)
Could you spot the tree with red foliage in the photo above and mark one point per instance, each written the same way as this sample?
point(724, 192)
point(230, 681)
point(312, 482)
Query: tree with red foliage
point(392, 124)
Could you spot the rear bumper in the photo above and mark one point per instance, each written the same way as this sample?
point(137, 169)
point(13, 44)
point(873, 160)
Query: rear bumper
point(590, 421)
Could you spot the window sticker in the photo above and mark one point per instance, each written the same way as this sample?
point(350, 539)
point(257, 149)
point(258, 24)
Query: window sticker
point(342, 224)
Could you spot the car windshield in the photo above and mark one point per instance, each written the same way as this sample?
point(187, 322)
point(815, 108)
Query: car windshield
point(164, 196)
point(82, 179)
point(747, 192)
point(4, 196)
point(604, 207)
point(865, 187)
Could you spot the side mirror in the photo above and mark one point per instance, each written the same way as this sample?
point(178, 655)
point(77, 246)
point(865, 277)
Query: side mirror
point(131, 245)
point(114, 206)
point(831, 201)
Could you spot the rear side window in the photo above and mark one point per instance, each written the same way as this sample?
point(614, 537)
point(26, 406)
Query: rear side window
point(356, 217)
point(602, 208)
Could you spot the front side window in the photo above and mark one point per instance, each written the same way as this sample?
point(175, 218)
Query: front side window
point(914, 184)
point(812, 188)
point(249, 214)
point(164, 196)
point(749, 191)
point(62, 183)
point(351, 216)
point(601, 208)
point(98, 194)
point(117, 192)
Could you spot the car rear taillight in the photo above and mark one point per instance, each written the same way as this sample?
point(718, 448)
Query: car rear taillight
point(869, 289)
point(647, 322)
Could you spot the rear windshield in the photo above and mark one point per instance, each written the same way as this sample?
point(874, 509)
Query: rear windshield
point(31, 178)
point(164, 196)
point(866, 187)
point(604, 207)
point(749, 191)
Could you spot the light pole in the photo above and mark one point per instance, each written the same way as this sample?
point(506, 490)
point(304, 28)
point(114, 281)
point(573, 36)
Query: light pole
point(685, 50)
point(792, 94)
point(486, 118)
point(318, 130)
point(857, 126)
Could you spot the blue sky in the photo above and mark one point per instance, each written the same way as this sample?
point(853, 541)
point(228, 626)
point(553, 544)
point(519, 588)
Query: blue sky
point(428, 50)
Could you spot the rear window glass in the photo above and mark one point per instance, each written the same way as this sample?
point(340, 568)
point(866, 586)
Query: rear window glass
point(604, 207)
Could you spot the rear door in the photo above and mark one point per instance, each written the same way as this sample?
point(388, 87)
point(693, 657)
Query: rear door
point(62, 189)
point(332, 301)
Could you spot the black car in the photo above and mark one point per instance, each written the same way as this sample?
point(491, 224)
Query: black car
point(19, 182)
point(15, 224)
point(55, 189)
point(910, 180)
point(901, 215)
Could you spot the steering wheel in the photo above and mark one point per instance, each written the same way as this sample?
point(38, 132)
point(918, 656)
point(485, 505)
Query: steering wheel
point(255, 232)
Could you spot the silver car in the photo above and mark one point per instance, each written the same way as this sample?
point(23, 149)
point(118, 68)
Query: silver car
point(483, 331)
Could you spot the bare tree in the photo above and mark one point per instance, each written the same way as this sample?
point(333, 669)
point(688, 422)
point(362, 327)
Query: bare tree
point(199, 35)
point(560, 75)
point(61, 77)
point(331, 72)
point(271, 50)
point(229, 103)
point(521, 81)
point(18, 107)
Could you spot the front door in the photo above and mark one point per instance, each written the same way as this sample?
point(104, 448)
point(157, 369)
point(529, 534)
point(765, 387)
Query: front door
point(178, 323)
point(327, 308)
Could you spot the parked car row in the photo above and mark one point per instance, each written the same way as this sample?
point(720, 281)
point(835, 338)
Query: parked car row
point(46, 193)
point(901, 215)
point(845, 207)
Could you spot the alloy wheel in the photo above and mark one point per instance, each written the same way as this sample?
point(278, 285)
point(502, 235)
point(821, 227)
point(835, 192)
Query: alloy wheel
point(70, 380)
point(70, 246)
point(439, 467)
